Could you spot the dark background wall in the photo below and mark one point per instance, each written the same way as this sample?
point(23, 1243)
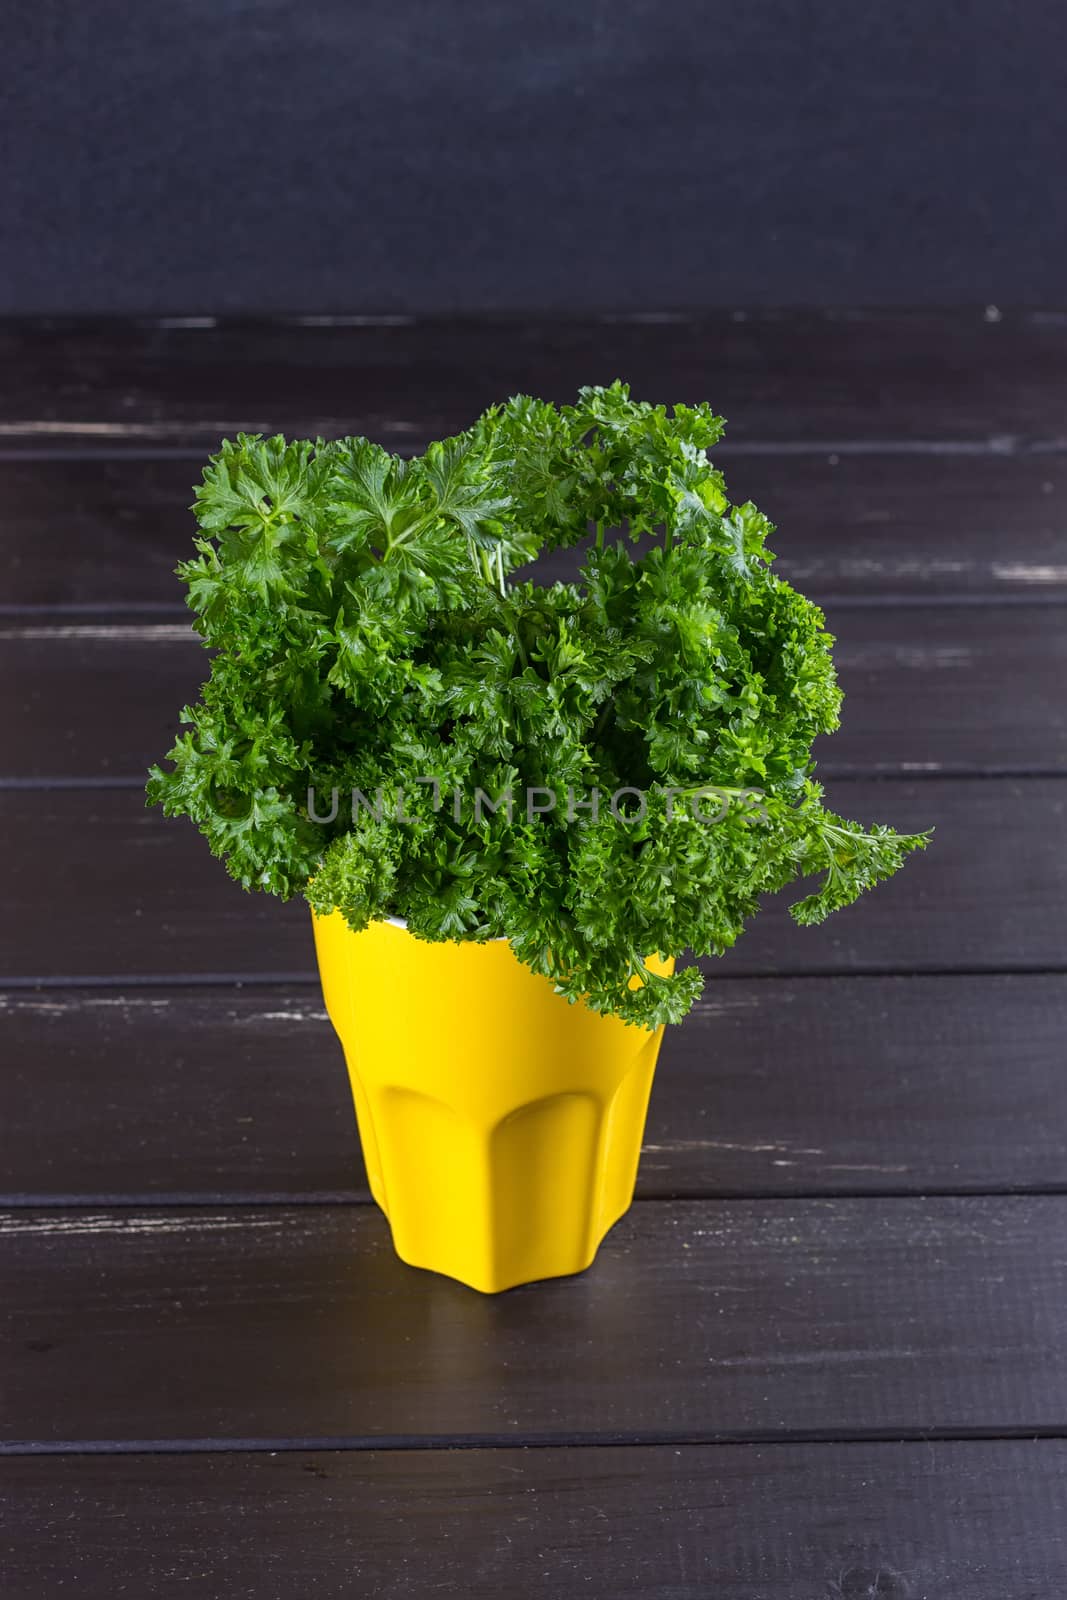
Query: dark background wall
point(254, 155)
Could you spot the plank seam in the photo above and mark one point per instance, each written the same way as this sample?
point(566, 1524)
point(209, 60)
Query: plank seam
point(841, 772)
point(1055, 595)
point(638, 1439)
point(239, 980)
point(18, 986)
point(193, 1200)
point(412, 435)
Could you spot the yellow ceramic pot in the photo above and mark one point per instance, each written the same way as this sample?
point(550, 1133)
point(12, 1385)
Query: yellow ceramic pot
point(501, 1126)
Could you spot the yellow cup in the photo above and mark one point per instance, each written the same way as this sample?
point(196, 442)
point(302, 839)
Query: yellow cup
point(501, 1125)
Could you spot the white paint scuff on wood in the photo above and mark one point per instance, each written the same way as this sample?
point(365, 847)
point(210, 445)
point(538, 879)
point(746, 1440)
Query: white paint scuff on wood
point(116, 632)
point(63, 1224)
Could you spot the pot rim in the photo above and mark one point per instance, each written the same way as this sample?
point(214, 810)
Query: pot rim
point(400, 922)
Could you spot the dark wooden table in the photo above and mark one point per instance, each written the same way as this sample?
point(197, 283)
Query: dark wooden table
point(825, 1355)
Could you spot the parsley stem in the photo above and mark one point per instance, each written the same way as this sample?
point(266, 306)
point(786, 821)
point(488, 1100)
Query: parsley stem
point(601, 722)
point(523, 657)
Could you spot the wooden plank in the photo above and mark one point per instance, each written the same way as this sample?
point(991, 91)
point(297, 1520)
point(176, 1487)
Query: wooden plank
point(865, 1086)
point(798, 376)
point(103, 532)
point(812, 1522)
point(98, 887)
point(700, 1320)
point(987, 681)
point(95, 699)
point(110, 532)
point(102, 698)
point(868, 524)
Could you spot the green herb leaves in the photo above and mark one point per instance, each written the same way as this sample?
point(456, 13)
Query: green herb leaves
point(369, 640)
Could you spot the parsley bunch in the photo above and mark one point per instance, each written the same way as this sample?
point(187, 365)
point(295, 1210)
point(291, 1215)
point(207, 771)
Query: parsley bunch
point(375, 641)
